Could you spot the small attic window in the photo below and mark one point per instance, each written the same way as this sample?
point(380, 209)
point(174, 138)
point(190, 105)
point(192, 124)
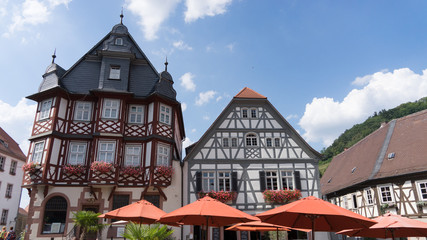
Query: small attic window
point(119, 41)
point(114, 72)
point(329, 180)
point(353, 169)
point(4, 143)
point(391, 155)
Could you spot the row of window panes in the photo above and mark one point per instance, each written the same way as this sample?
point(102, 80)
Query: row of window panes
point(13, 165)
point(272, 178)
point(251, 140)
point(209, 181)
point(111, 109)
point(106, 153)
point(386, 194)
point(249, 113)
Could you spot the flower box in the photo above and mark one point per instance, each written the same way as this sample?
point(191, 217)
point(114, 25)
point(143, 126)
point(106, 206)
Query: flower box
point(222, 196)
point(281, 196)
point(131, 171)
point(101, 167)
point(166, 171)
point(31, 167)
point(76, 170)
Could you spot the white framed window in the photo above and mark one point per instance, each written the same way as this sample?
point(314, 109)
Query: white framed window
point(208, 181)
point(9, 190)
point(354, 198)
point(271, 180)
point(422, 190)
point(3, 219)
point(119, 41)
point(114, 72)
point(224, 181)
point(45, 107)
point(234, 142)
point(287, 179)
point(38, 152)
point(136, 114)
point(251, 140)
point(277, 142)
point(12, 169)
point(163, 155)
point(225, 142)
point(165, 114)
point(111, 108)
point(132, 155)
point(369, 196)
point(106, 151)
point(77, 153)
point(268, 142)
point(82, 111)
point(386, 193)
point(2, 162)
point(244, 113)
point(345, 200)
point(254, 113)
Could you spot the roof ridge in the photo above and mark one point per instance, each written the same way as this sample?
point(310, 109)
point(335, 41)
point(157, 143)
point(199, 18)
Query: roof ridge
point(249, 93)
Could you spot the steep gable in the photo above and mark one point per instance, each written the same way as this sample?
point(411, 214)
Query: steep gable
point(8, 146)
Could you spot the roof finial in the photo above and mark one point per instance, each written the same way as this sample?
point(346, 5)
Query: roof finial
point(166, 64)
point(54, 56)
point(121, 17)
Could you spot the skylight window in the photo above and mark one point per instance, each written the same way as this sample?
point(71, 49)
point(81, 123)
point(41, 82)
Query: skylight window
point(353, 169)
point(391, 155)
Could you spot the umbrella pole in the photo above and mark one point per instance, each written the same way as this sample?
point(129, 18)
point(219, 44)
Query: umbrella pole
point(207, 228)
point(277, 233)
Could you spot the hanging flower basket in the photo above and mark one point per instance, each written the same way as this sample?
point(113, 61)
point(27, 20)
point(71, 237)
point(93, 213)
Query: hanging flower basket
point(101, 167)
point(76, 170)
point(281, 196)
point(131, 171)
point(31, 167)
point(222, 196)
point(166, 171)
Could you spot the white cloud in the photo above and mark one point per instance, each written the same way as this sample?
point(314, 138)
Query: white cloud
point(3, 8)
point(187, 81)
point(193, 130)
point(291, 116)
point(230, 46)
point(199, 9)
point(205, 97)
point(184, 106)
point(325, 118)
point(206, 117)
point(32, 13)
point(187, 142)
point(17, 121)
point(151, 13)
point(181, 45)
point(218, 98)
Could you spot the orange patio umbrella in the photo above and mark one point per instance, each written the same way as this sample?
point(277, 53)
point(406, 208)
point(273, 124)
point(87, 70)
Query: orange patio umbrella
point(258, 226)
point(139, 212)
point(315, 214)
point(206, 212)
point(391, 226)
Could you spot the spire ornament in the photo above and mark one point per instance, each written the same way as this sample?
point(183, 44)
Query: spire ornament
point(166, 64)
point(121, 17)
point(54, 56)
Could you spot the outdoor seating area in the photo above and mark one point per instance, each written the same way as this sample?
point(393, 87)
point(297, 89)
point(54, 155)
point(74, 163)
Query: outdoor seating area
point(308, 214)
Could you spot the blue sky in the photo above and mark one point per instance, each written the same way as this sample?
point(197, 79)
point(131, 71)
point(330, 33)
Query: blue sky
point(325, 65)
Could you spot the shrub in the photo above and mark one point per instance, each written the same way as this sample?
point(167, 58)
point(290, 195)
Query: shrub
point(31, 167)
point(75, 169)
point(166, 171)
point(131, 171)
point(222, 196)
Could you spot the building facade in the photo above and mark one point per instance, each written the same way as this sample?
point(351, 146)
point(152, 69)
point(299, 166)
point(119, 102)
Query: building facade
point(11, 160)
point(248, 149)
point(384, 172)
point(107, 132)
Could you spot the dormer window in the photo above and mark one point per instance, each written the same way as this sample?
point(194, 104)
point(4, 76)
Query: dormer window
point(119, 41)
point(115, 72)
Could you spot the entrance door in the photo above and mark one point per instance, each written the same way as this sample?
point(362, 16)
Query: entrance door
point(95, 209)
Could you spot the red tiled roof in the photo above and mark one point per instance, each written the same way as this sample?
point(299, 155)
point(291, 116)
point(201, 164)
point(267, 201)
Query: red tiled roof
point(9, 146)
point(23, 211)
point(249, 93)
point(407, 142)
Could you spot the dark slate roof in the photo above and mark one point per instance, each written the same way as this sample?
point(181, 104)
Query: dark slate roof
point(138, 75)
point(405, 137)
point(9, 147)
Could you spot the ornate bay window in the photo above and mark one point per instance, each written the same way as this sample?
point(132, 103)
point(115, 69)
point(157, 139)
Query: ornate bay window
point(106, 151)
point(111, 108)
point(77, 154)
point(163, 155)
point(165, 114)
point(38, 152)
point(136, 114)
point(45, 106)
point(132, 155)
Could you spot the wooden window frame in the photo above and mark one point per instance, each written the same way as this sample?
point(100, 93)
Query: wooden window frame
point(108, 104)
point(13, 166)
point(165, 114)
point(45, 107)
point(83, 108)
point(130, 157)
point(224, 181)
point(381, 196)
point(77, 153)
point(163, 159)
point(271, 181)
point(106, 151)
point(135, 114)
point(37, 154)
point(209, 178)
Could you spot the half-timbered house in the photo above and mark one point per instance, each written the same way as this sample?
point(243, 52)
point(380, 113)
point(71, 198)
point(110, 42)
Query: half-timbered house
point(249, 148)
point(384, 172)
point(107, 132)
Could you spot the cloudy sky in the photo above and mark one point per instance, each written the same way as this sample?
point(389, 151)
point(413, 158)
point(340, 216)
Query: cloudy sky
point(325, 65)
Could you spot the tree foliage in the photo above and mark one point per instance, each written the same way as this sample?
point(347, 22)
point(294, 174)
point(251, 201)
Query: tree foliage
point(359, 131)
point(135, 231)
point(88, 222)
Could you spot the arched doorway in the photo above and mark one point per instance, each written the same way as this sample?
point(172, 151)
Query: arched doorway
point(55, 215)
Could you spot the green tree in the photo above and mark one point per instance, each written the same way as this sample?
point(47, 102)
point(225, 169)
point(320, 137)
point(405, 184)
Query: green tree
point(135, 231)
point(88, 222)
